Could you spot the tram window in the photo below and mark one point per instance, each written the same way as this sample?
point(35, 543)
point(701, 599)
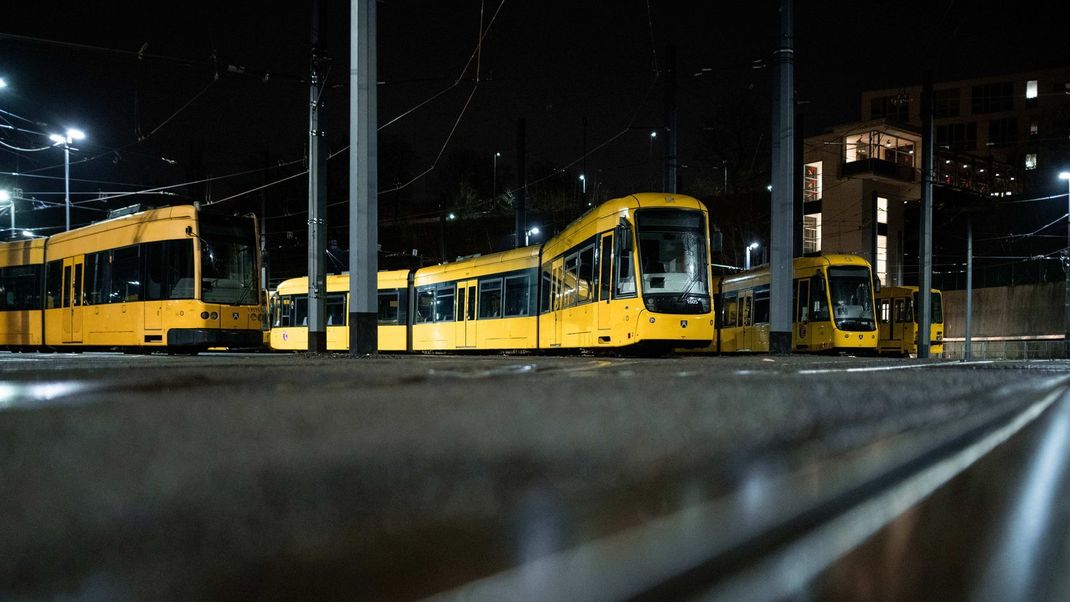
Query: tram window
point(53, 281)
point(516, 296)
point(886, 311)
point(570, 281)
point(460, 303)
point(490, 298)
point(625, 283)
point(299, 310)
point(335, 305)
point(731, 312)
point(389, 304)
point(178, 270)
point(125, 280)
point(472, 302)
point(444, 304)
point(819, 299)
point(152, 270)
point(744, 309)
point(761, 306)
point(585, 282)
point(66, 286)
point(76, 298)
point(802, 307)
point(20, 288)
point(544, 290)
point(97, 278)
point(902, 312)
point(425, 303)
point(605, 258)
point(718, 308)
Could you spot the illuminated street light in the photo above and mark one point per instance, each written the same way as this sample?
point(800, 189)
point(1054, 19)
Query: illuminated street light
point(5, 197)
point(583, 180)
point(1066, 271)
point(3, 84)
point(746, 254)
point(72, 135)
point(494, 176)
point(28, 234)
point(533, 231)
point(451, 216)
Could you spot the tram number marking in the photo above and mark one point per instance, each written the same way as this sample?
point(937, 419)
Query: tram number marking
point(802, 331)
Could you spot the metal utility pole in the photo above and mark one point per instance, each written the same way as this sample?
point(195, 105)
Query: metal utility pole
point(363, 182)
point(521, 184)
point(1066, 276)
point(967, 352)
point(783, 206)
point(67, 184)
point(670, 119)
point(925, 235)
point(317, 199)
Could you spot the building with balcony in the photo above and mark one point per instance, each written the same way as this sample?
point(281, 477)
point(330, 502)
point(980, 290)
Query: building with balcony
point(994, 137)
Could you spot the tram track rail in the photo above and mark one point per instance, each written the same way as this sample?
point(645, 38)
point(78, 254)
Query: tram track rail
point(734, 548)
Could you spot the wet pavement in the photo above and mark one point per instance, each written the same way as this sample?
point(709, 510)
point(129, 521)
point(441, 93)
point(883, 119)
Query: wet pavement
point(296, 477)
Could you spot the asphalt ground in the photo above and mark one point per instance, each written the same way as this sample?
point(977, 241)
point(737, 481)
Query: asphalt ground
point(324, 477)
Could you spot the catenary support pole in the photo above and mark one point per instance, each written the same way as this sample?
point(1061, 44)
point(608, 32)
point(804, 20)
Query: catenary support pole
point(363, 181)
point(1066, 280)
point(782, 210)
point(670, 119)
point(967, 350)
point(67, 183)
point(925, 234)
point(317, 200)
point(521, 184)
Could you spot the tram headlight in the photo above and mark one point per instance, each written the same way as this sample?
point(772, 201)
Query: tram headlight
point(204, 315)
point(215, 316)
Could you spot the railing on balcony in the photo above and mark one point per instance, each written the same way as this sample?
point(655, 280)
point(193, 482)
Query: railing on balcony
point(881, 168)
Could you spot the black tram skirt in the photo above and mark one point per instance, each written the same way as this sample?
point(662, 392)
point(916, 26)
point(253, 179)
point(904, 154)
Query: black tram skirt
point(213, 337)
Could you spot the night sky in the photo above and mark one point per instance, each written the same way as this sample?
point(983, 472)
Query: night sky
point(554, 63)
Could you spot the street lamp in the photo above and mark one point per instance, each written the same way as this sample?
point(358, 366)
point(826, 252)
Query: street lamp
point(72, 135)
point(746, 258)
point(494, 177)
point(5, 197)
point(3, 84)
point(1066, 271)
point(533, 231)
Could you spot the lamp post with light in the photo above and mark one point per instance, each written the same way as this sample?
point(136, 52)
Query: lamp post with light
point(533, 231)
point(494, 177)
point(5, 197)
point(746, 257)
point(71, 135)
point(1066, 271)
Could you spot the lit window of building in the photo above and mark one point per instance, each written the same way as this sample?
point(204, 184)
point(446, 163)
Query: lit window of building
point(882, 240)
point(1034, 128)
point(812, 233)
point(1031, 89)
point(812, 181)
point(1031, 161)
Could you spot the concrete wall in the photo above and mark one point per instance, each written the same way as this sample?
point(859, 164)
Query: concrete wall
point(1023, 310)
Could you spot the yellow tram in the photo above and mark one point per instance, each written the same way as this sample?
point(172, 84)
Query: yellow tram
point(632, 273)
point(172, 279)
point(832, 307)
point(897, 318)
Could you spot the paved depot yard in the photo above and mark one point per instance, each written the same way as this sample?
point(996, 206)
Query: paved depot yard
point(293, 476)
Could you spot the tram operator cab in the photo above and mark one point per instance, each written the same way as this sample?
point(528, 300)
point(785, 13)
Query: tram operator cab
point(898, 320)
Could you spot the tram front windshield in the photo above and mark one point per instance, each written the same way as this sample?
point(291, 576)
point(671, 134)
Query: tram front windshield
point(228, 260)
point(935, 309)
point(673, 261)
point(851, 298)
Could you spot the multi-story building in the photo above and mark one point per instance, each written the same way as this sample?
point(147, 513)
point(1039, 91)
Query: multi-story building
point(994, 137)
point(1021, 119)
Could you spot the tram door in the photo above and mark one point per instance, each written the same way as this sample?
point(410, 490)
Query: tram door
point(466, 314)
point(72, 298)
point(557, 292)
point(803, 331)
point(748, 335)
point(605, 278)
